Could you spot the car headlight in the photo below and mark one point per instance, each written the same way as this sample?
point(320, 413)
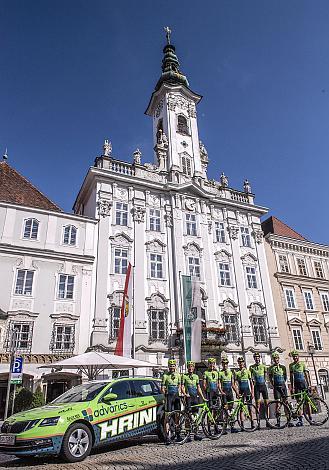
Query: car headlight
point(49, 421)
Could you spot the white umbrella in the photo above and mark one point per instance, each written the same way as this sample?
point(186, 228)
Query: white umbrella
point(93, 363)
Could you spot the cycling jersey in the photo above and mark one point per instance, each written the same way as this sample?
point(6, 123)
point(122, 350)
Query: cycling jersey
point(298, 370)
point(211, 377)
point(258, 373)
point(191, 382)
point(225, 378)
point(172, 382)
point(278, 374)
point(242, 376)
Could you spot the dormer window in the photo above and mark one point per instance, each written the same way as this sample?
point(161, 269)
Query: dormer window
point(31, 228)
point(69, 235)
point(182, 126)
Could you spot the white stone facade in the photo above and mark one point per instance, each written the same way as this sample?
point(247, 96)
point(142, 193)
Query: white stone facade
point(46, 280)
point(168, 219)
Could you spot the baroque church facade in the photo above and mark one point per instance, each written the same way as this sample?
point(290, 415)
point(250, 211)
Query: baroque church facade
point(63, 274)
point(168, 219)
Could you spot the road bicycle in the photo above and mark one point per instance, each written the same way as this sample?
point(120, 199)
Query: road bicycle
point(281, 412)
point(183, 424)
point(244, 413)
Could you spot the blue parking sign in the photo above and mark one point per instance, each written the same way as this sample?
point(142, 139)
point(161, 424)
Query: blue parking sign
point(17, 370)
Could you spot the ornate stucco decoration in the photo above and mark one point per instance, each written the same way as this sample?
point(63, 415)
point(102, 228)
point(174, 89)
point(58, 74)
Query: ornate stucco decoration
point(104, 207)
point(139, 214)
point(233, 231)
point(169, 219)
point(159, 108)
point(258, 235)
point(190, 204)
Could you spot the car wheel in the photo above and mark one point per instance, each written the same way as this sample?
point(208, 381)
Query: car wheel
point(77, 443)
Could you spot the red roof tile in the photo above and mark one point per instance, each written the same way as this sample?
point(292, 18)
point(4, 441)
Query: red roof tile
point(15, 189)
point(274, 225)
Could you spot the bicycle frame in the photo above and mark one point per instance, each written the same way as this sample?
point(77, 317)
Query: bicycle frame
point(241, 406)
point(204, 408)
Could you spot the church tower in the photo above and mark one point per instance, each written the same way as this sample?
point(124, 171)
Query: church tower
point(172, 107)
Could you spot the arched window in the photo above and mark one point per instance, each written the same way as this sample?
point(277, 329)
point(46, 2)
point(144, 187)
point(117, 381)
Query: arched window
point(69, 235)
point(115, 312)
point(158, 318)
point(31, 228)
point(182, 126)
point(258, 323)
point(231, 322)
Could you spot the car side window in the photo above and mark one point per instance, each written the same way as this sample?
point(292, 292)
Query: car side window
point(145, 388)
point(121, 389)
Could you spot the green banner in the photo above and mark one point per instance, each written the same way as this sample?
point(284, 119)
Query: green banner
point(187, 323)
point(192, 318)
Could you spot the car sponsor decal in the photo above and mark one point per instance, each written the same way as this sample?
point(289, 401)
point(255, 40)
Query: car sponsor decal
point(127, 422)
point(88, 414)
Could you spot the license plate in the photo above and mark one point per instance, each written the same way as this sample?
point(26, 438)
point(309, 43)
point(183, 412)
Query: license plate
point(7, 439)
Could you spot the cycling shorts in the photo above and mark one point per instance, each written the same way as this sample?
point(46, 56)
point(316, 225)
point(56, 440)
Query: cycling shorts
point(191, 401)
point(280, 391)
point(299, 387)
point(246, 395)
point(227, 397)
point(261, 389)
point(212, 396)
point(172, 402)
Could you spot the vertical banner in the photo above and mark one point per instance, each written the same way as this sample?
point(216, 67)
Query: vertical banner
point(192, 318)
point(123, 346)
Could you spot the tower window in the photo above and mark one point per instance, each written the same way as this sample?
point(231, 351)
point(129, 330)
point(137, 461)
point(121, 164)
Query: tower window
point(182, 126)
point(186, 165)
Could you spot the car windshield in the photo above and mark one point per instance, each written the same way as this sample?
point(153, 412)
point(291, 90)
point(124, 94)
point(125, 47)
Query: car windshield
point(84, 392)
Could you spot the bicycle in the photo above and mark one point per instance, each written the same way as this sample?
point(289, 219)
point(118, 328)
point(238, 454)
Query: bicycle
point(248, 411)
point(281, 412)
point(183, 423)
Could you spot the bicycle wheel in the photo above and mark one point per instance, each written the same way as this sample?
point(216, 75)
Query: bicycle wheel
point(178, 427)
point(278, 414)
point(248, 418)
point(316, 411)
point(213, 422)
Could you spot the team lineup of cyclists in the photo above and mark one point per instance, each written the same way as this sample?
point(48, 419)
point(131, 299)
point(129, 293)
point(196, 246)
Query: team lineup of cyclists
point(230, 394)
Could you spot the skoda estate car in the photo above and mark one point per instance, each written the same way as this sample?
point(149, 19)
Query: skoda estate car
point(84, 417)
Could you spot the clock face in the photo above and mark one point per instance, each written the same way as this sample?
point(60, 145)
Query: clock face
point(190, 204)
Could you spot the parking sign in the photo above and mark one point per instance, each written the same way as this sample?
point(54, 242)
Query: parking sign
point(17, 371)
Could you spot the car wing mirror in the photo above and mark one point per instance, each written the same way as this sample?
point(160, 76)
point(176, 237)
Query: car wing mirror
point(109, 397)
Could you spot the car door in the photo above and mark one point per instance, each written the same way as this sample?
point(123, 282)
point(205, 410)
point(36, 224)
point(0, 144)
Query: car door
point(114, 420)
point(147, 397)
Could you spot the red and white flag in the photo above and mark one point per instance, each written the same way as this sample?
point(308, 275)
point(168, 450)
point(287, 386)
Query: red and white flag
point(123, 347)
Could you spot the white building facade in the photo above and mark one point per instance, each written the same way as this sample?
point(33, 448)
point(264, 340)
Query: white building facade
point(169, 219)
point(47, 282)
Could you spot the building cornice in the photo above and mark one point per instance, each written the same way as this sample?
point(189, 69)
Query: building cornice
point(189, 189)
point(46, 254)
point(287, 278)
point(48, 212)
point(302, 246)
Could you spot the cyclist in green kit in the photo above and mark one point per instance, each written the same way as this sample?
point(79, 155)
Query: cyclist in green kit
point(211, 382)
point(171, 387)
point(258, 373)
point(192, 391)
point(226, 386)
point(299, 379)
point(244, 384)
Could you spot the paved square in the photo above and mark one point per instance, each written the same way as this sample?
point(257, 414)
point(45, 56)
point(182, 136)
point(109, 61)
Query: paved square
point(293, 448)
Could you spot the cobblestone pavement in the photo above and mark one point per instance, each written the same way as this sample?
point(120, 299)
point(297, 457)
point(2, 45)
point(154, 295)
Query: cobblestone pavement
point(291, 448)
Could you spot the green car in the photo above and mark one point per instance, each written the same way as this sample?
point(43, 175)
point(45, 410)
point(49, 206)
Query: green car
point(84, 417)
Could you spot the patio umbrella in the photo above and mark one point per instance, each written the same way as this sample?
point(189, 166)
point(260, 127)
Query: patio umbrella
point(93, 363)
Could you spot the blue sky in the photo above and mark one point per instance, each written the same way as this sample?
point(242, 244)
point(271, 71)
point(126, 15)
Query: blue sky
point(75, 72)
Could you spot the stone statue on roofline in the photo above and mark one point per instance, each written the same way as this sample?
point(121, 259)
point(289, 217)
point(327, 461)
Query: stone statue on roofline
point(137, 155)
point(107, 148)
point(247, 187)
point(203, 152)
point(224, 180)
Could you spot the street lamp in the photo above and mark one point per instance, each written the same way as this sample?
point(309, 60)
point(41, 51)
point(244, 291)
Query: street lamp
point(311, 351)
